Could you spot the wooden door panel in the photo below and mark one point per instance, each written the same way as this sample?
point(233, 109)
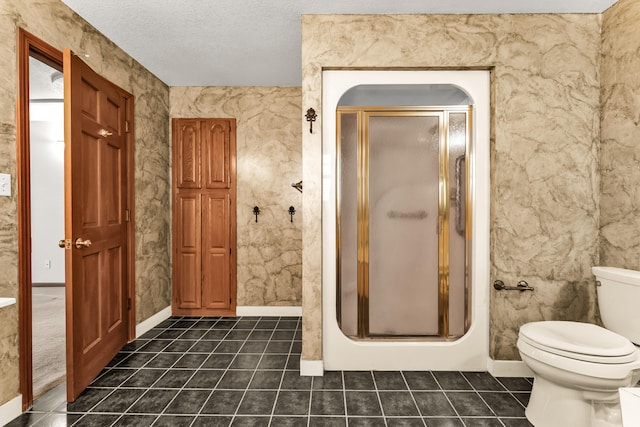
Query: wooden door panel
point(215, 222)
point(113, 295)
point(215, 153)
point(189, 211)
point(95, 197)
point(188, 238)
point(89, 100)
point(89, 211)
point(111, 203)
point(186, 154)
point(188, 294)
point(111, 113)
point(90, 297)
point(215, 289)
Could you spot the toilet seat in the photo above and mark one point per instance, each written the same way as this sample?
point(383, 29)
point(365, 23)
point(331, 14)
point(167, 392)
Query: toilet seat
point(580, 341)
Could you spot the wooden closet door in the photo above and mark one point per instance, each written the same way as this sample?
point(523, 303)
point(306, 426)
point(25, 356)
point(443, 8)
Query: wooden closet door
point(204, 224)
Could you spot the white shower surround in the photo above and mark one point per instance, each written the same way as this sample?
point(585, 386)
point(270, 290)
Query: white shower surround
point(470, 352)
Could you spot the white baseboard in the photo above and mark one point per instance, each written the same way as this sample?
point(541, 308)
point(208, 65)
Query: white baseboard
point(268, 310)
point(311, 368)
point(509, 368)
point(10, 410)
point(148, 324)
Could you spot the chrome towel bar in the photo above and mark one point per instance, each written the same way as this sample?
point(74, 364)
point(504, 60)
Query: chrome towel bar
point(521, 286)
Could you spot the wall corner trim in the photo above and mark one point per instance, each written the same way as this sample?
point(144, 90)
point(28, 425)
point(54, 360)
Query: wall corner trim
point(311, 368)
point(508, 368)
point(10, 410)
point(153, 321)
point(269, 310)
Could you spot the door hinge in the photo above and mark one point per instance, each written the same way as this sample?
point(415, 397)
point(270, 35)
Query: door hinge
point(127, 215)
point(126, 126)
point(128, 303)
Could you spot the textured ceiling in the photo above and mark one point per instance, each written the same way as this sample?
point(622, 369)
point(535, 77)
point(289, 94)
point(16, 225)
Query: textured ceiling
point(255, 42)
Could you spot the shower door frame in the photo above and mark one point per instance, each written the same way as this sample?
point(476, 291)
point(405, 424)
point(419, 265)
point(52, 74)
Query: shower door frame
point(471, 351)
point(363, 113)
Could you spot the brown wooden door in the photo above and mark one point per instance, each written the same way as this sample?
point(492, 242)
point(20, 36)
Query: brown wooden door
point(95, 204)
point(204, 225)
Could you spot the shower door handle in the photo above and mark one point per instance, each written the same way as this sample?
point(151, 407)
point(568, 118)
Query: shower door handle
point(458, 195)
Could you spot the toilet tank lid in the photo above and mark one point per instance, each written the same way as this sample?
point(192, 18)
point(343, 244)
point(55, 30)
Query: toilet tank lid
point(631, 277)
point(577, 337)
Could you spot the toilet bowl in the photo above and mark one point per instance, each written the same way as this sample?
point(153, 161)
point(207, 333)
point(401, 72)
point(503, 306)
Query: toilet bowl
point(579, 367)
point(576, 365)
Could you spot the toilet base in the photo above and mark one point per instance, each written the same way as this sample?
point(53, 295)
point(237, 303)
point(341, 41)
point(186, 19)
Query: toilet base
point(552, 405)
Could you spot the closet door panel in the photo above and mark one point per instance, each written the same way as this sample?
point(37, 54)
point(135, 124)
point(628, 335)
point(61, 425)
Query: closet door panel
point(215, 153)
point(187, 237)
point(216, 251)
point(186, 153)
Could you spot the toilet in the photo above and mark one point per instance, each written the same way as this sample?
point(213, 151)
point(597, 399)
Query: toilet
point(578, 367)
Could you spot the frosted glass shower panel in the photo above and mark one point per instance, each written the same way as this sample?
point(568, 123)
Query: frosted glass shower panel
point(347, 223)
point(404, 156)
point(458, 294)
point(458, 303)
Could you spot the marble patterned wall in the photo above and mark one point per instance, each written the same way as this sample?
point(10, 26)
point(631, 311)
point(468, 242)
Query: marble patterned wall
point(269, 160)
point(545, 128)
point(620, 149)
point(57, 25)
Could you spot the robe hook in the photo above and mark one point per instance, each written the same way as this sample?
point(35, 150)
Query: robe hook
point(311, 117)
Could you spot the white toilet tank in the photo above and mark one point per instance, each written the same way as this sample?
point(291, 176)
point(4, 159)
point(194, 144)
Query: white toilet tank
point(619, 300)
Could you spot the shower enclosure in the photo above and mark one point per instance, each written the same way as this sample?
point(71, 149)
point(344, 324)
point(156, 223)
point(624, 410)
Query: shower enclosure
point(405, 219)
point(402, 219)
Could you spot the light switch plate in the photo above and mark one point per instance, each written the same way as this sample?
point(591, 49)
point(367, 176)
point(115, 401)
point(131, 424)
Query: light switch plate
point(5, 184)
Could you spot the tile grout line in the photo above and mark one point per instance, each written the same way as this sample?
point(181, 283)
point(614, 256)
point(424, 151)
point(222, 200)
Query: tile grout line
point(255, 369)
point(119, 386)
point(87, 412)
point(284, 371)
point(163, 412)
point(481, 398)
point(413, 397)
point(375, 385)
point(168, 370)
point(194, 373)
point(448, 400)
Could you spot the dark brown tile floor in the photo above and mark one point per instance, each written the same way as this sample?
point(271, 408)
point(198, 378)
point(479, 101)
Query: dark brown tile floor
point(244, 371)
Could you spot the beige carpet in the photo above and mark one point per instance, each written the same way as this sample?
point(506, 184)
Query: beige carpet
point(48, 335)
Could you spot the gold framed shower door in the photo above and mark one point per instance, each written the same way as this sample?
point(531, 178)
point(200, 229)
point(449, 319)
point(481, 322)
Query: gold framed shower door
point(363, 115)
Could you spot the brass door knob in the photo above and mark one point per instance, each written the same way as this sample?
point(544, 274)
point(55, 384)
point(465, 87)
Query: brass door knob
point(62, 243)
point(82, 243)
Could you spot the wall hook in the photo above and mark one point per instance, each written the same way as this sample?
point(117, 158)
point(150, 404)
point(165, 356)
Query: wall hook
point(292, 212)
point(256, 212)
point(297, 186)
point(311, 117)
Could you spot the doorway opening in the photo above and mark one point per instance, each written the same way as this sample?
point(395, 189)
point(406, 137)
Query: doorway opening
point(46, 60)
point(46, 157)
